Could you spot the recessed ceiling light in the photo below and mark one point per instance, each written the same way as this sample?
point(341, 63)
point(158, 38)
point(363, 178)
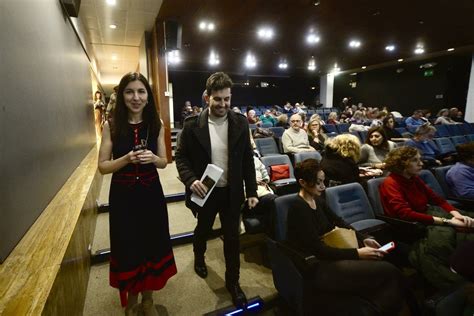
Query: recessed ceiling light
point(400, 60)
point(265, 33)
point(250, 61)
point(363, 67)
point(283, 65)
point(336, 70)
point(113, 26)
point(419, 50)
point(312, 38)
point(313, 88)
point(390, 48)
point(312, 64)
point(211, 27)
point(111, 2)
point(174, 57)
point(354, 44)
point(450, 49)
point(316, 3)
point(214, 59)
point(207, 26)
point(354, 74)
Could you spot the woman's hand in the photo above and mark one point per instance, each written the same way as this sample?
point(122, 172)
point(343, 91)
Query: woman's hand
point(468, 221)
point(369, 253)
point(372, 243)
point(132, 156)
point(147, 156)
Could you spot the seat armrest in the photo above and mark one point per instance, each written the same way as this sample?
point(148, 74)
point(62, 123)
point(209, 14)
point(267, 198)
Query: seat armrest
point(465, 202)
point(407, 231)
point(303, 261)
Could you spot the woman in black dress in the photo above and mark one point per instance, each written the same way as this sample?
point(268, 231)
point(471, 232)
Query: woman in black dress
point(354, 271)
point(132, 148)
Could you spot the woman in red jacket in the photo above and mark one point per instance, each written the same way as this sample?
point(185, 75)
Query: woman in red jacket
point(404, 195)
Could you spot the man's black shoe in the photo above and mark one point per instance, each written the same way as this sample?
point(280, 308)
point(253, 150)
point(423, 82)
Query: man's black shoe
point(238, 296)
point(200, 267)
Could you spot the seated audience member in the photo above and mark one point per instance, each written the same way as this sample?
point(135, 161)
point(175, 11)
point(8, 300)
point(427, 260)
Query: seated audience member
point(390, 131)
point(460, 177)
point(415, 121)
point(378, 121)
point(316, 136)
point(282, 121)
point(456, 115)
point(443, 118)
point(354, 271)
point(267, 117)
point(288, 109)
point(265, 197)
point(422, 140)
point(295, 139)
point(460, 118)
point(236, 109)
point(404, 195)
point(253, 118)
point(332, 118)
point(340, 159)
point(375, 149)
point(187, 111)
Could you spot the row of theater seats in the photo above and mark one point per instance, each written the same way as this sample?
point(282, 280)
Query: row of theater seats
point(259, 110)
point(365, 214)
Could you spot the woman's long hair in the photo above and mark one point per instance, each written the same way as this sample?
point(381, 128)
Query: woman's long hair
point(384, 145)
point(119, 124)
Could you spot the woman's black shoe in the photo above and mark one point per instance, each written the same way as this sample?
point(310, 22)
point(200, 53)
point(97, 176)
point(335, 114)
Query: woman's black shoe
point(238, 296)
point(200, 267)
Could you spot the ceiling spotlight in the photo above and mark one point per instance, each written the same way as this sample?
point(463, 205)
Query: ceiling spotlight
point(113, 26)
point(316, 3)
point(312, 64)
point(111, 2)
point(250, 61)
point(207, 26)
point(450, 49)
point(283, 64)
point(174, 57)
point(419, 50)
point(354, 44)
point(336, 70)
point(363, 67)
point(390, 48)
point(312, 38)
point(265, 33)
point(400, 60)
point(214, 59)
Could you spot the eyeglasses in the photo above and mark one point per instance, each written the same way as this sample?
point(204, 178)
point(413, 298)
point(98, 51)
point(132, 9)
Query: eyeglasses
point(295, 121)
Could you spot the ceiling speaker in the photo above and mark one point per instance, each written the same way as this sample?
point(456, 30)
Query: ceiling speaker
point(71, 7)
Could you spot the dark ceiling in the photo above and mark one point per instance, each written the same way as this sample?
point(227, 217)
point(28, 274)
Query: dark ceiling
point(437, 24)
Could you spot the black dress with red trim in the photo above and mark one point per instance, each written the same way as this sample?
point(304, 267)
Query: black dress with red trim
point(141, 254)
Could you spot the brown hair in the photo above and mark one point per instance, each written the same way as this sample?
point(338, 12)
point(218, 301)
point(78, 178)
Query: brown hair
point(307, 170)
point(398, 159)
point(465, 152)
point(218, 81)
point(381, 131)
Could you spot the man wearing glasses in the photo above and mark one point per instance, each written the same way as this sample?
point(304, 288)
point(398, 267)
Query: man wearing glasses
point(295, 139)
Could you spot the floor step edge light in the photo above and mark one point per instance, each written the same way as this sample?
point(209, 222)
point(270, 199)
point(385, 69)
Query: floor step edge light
point(254, 306)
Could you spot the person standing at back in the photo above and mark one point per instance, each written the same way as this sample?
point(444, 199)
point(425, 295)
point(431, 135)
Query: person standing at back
point(221, 137)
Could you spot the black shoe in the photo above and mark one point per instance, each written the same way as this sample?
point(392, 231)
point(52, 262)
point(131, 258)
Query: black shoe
point(200, 267)
point(238, 296)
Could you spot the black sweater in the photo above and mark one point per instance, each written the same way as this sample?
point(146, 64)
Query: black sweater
point(306, 227)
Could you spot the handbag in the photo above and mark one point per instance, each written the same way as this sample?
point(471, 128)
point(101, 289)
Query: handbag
point(278, 172)
point(340, 238)
point(260, 132)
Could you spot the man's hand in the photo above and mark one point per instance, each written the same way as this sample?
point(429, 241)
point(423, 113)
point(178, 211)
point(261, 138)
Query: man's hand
point(468, 221)
point(252, 201)
point(372, 243)
point(199, 188)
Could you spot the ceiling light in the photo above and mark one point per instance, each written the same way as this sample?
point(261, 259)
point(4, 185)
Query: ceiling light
point(313, 88)
point(419, 50)
point(283, 65)
point(207, 26)
point(400, 60)
point(113, 26)
point(390, 48)
point(312, 64)
point(111, 2)
point(265, 33)
point(214, 59)
point(316, 3)
point(250, 61)
point(114, 57)
point(450, 49)
point(336, 70)
point(354, 74)
point(354, 44)
point(174, 57)
point(363, 67)
point(312, 38)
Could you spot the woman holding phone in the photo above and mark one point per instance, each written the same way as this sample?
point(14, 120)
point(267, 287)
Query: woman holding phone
point(132, 148)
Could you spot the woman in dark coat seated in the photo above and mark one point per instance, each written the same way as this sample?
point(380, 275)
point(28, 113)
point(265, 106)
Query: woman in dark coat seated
point(351, 271)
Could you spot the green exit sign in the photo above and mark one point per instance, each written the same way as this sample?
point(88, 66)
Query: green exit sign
point(428, 73)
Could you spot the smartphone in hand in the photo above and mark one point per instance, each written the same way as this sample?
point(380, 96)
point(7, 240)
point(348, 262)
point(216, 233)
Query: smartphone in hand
point(388, 247)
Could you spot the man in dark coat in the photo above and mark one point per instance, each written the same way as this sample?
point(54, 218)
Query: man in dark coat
point(221, 137)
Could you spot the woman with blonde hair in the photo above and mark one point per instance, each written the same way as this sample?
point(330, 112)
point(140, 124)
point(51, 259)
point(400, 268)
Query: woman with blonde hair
point(316, 136)
point(332, 118)
point(340, 159)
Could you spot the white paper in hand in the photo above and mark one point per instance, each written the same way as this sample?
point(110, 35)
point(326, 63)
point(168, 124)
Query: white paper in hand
point(211, 175)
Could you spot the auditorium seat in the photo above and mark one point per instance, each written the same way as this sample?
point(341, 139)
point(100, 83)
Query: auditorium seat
point(445, 145)
point(458, 140)
point(299, 157)
point(277, 131)
point(266, 146)
point(343, 127)
point(442, 131)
